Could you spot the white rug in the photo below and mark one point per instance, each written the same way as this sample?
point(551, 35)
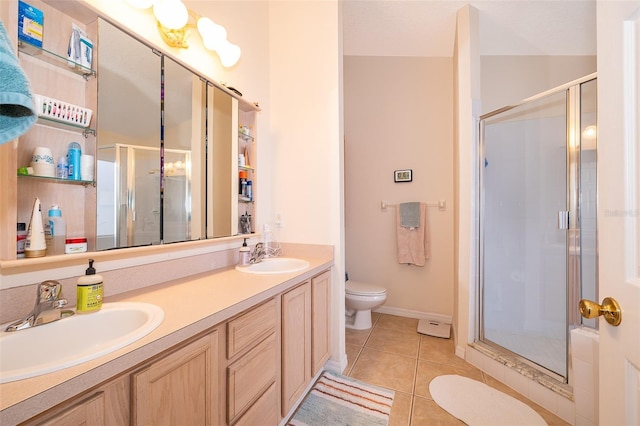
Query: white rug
point(477, 404)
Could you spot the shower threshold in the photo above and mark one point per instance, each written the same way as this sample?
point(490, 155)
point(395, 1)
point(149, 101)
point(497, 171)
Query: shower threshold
point(526, 368)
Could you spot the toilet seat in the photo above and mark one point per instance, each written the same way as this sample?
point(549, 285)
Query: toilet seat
point(363, 289)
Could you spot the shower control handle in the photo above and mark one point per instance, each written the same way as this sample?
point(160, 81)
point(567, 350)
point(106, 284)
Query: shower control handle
point(610, 309)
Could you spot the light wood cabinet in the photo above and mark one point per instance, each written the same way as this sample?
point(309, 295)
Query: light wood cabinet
point(320, 321)
point(250, 376)
point(263, 411)
point(107, 405)
point(181, 388)
point(244, 330)
point(89, 412)
point(296, 344)
point(271, 352)
point(254, 359)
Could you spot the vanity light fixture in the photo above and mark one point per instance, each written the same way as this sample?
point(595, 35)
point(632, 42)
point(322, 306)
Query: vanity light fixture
point(173, 24)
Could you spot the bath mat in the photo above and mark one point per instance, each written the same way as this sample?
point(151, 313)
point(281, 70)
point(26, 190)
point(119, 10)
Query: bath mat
point(477, 404)
point(341, 400)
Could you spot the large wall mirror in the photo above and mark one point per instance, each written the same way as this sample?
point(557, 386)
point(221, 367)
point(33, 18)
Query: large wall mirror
point(156, 148)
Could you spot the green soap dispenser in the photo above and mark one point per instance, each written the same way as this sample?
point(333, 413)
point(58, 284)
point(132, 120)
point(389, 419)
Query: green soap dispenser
point(89, 291)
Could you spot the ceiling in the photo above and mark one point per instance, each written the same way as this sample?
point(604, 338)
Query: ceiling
point(427, 27)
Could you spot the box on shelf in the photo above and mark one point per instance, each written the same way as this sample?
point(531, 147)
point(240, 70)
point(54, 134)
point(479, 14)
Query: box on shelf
point(30, 24)
point(80, 47)
point(62, 111)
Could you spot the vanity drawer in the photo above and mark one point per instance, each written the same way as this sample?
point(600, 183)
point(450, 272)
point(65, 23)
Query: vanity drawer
point(250, 327)
point(250, 376)
point(263, 412)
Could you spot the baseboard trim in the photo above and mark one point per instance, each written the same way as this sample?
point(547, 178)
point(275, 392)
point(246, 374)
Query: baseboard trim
point(337, 366)
point(408, 313)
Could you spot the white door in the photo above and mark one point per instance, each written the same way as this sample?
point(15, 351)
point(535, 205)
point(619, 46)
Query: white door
point(618, 24)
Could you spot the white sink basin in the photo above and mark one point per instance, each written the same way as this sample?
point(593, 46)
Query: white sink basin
point(275, 265)
point(75, 339)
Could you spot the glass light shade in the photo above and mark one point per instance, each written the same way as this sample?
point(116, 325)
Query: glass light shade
point(213, 35)
point(141, 4)
point(173, 14)
point(229, 54)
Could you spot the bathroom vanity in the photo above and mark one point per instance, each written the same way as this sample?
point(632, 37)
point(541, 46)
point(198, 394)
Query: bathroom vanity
point(234, 348)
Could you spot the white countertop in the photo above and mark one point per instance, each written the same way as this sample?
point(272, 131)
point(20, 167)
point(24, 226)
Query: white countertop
point(191, 305)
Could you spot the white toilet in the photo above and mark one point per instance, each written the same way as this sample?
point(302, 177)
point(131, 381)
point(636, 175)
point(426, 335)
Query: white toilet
point(360, 299)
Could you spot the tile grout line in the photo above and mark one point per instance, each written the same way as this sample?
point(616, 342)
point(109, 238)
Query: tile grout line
point(415, 379)
point(364, 342)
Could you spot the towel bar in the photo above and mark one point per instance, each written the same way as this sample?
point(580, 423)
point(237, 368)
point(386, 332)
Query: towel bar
point(441, 205)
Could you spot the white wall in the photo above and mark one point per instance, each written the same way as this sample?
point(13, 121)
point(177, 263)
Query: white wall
point(398, 116)
point(307, 136)
point(507, 80)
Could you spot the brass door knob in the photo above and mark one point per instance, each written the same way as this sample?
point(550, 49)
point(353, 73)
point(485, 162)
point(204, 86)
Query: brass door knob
point(609, 308)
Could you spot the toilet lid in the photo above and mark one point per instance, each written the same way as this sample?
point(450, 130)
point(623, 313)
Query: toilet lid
point(363, 289)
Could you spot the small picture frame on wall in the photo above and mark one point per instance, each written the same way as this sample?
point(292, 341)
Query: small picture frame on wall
point(403, 175)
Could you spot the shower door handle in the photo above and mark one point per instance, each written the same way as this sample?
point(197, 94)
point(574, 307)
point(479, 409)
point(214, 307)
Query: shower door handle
point(610, 309)
point(563, 219)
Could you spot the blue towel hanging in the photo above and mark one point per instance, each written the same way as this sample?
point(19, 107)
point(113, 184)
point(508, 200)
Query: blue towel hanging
point(17, 113)
point(410, 215)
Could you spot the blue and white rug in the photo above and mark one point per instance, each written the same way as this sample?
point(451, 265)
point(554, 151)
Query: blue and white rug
point(340, 400)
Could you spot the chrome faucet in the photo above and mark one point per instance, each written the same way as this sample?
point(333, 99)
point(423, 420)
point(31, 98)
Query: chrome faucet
point(258, 253)
point(48, 307)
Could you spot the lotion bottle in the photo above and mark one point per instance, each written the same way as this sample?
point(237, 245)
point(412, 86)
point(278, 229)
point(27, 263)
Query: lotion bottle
point(35, 245)
point(89, 291)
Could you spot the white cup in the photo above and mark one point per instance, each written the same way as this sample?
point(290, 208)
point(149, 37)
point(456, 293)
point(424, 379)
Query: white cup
point(42, 154)
point(42, 168)
point(86, 167)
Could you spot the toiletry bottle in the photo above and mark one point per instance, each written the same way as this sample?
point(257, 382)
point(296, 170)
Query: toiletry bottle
point(73, 155)
point(242, 187)
point(250, 190)
point(62, 168)
point(55, 231)
point(35, 245)
point(21, 238)
point(245, 254)
point(89, 291)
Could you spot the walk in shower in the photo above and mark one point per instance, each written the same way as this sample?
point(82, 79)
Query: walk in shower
point(129, 209)
point(537, 187)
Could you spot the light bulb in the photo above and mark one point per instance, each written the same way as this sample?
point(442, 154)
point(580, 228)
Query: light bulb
point(141, 4)
point(590, 132)
point(229, 54)
point(173, 14)
point(212, 34)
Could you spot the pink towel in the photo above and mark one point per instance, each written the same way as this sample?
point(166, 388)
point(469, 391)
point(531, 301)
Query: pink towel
point(413, 243)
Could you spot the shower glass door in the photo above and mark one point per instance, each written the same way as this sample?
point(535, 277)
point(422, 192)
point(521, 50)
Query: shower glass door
point(524, 220)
